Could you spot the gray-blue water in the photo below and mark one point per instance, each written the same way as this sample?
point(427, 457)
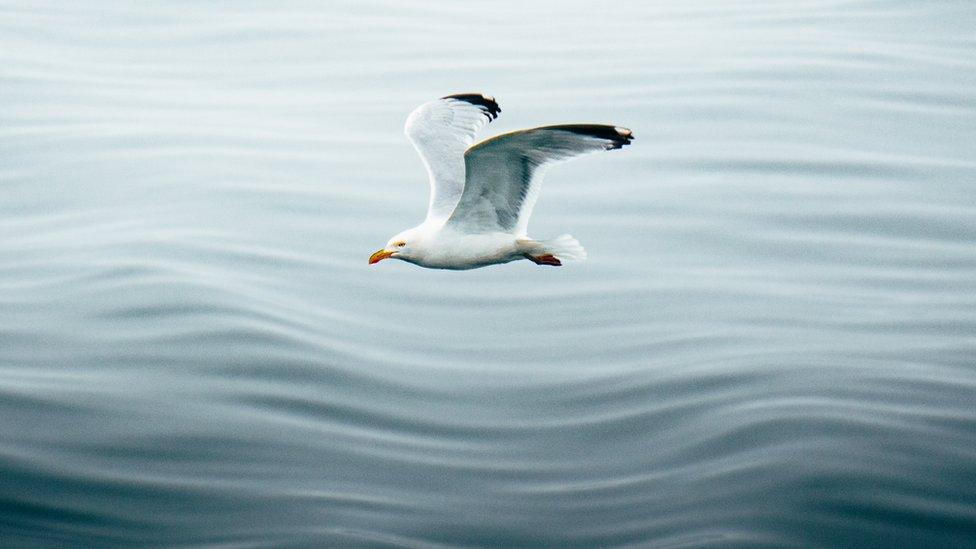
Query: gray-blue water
point(773, 342)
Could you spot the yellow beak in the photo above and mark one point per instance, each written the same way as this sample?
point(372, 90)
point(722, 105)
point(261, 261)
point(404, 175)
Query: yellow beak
point(379, 256)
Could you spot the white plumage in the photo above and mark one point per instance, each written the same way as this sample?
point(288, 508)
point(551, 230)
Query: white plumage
point(481, 196)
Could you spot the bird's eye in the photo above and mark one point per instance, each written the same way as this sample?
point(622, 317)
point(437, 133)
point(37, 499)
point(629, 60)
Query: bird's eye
point(400, 244)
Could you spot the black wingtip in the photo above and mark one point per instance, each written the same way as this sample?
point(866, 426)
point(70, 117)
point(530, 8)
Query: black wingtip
point(617, 136)
point(486, 102)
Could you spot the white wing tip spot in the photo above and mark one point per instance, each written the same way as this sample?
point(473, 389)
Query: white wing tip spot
point(623, 131)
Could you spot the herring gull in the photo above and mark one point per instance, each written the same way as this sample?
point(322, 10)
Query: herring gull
point(481, 196)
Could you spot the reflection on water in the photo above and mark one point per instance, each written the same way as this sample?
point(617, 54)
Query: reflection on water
point(772, 343)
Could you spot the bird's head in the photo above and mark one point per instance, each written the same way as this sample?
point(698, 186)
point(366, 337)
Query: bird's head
point(402, 246)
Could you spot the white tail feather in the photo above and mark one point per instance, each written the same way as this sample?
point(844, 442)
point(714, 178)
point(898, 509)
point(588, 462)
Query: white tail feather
point(564, 247)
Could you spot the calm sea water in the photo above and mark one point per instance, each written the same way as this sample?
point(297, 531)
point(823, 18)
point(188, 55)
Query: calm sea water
point(773, 342)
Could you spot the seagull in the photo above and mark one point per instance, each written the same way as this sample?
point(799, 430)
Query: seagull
point(481, 196)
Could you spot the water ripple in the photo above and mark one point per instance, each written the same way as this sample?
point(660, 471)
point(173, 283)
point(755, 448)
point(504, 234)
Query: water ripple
point(772, 344)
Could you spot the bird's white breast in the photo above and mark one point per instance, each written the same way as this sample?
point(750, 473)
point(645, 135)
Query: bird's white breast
point(448, 249)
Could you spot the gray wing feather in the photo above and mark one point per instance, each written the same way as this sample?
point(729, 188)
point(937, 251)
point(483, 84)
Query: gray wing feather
point(504, 174)
point(441, 131)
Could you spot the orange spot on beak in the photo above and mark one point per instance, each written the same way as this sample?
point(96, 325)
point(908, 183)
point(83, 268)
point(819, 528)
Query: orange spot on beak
point(379, 256)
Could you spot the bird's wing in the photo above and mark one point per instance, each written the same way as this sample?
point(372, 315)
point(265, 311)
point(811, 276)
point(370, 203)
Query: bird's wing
point(504, 173)
point(441, 131)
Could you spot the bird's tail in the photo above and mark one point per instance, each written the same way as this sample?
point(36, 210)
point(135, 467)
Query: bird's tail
point(562, 248)
point(565, 247)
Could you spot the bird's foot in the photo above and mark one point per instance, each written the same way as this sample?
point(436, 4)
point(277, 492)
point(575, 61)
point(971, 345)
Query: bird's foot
point(546, 259)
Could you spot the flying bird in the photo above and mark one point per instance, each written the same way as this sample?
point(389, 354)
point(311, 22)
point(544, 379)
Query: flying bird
point(481, 196)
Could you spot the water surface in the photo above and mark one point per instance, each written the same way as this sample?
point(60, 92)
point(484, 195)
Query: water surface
point(773, 342)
